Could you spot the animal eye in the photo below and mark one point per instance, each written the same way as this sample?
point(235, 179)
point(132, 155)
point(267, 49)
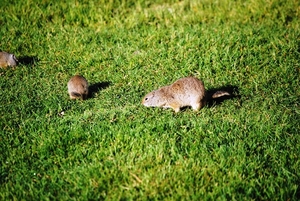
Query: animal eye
point(146, 99)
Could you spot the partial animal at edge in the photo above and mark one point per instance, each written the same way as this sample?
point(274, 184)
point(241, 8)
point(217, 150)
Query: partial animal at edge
point(7, 59)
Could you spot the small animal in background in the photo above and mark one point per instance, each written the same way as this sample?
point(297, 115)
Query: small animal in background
point(188, 91)
point(7, 59)
point(78, 87)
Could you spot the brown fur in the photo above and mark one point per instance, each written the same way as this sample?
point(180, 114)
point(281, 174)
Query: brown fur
point(7, 59)
point(78, 87)
point(188, 91)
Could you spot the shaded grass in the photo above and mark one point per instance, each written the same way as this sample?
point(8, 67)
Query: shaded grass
point(110, 146)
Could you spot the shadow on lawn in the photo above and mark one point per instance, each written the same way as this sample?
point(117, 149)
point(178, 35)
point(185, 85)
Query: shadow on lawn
point(28, 60)
point(232, 90)
point(94, 88)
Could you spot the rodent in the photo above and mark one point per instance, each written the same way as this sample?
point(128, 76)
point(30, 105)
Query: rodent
point(7, 59)
point(78, 87)
point(187, 91)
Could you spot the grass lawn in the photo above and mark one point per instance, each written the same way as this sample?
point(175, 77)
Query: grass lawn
point(110, 147)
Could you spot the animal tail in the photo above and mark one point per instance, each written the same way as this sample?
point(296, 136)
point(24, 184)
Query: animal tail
point(219, 94)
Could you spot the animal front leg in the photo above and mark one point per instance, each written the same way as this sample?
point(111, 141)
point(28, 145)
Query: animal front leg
point(175, 106)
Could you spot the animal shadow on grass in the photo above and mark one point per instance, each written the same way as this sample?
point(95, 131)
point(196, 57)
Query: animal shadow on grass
point(28, 60)
point(94, 88)
point(232, 90)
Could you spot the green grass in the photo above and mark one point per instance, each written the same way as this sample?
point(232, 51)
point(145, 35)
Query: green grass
point(110, 147)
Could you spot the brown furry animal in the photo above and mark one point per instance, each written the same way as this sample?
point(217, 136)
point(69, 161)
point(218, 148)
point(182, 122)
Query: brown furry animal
point(78, 87)
point(188, 91)
point(7, 59)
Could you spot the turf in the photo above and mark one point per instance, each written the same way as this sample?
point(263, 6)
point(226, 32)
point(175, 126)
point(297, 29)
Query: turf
point(110, 147)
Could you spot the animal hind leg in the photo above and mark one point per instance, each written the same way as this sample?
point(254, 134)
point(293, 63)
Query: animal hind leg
point(196, 106)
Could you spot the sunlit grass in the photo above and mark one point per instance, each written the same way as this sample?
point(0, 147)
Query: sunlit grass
point(110, 146)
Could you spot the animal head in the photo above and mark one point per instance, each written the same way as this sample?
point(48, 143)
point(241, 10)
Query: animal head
point(12, 61)
point(154, 99)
